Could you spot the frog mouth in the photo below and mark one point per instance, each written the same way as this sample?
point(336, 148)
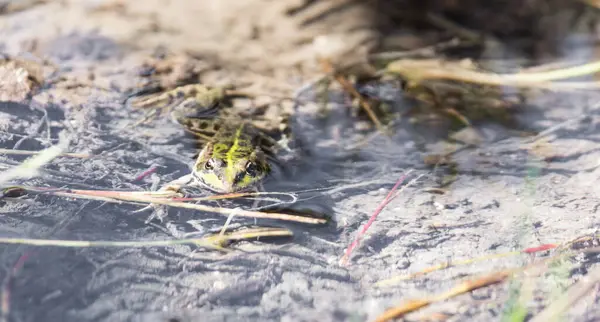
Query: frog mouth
point(226, 187)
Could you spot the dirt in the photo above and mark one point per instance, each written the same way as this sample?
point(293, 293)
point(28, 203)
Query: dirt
point(84, 57)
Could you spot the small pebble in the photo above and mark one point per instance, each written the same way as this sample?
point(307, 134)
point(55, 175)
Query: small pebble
point(438, 205)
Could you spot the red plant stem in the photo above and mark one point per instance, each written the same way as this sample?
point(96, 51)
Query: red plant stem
point(5, 294)
point(146, 173)
point(379, 208)
point(539, 248)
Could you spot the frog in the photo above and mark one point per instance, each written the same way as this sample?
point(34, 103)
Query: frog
point(237, 149)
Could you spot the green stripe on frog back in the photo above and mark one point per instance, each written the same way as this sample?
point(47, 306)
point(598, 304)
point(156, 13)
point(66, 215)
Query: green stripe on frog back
point(242, 144)
point(232, 143)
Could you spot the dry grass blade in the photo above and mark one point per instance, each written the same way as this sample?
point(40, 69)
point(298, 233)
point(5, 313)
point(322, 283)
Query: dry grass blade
point(397, 279)
point(29, 167)
point(205, 242)
point(569, 298)
point(419, 70)
point(215, 241)
point(119, 196)
point(463, 287)
point(264, 232)
point(25, 152)
point(225, 211)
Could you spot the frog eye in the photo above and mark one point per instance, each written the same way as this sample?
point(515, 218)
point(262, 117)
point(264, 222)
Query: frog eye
point(208, 165)
point(251, 169)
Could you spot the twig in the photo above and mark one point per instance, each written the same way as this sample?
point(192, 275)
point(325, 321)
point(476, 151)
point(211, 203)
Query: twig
point(117, 196)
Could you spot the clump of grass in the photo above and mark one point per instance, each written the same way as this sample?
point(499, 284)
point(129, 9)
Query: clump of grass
point(567, 299)
point(516, 309)
point(461, 288)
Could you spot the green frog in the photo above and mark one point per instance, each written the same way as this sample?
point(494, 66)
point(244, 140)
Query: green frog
point(238, 148)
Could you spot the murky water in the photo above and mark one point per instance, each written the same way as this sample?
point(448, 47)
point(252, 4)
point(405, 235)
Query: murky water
point(506, 193)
